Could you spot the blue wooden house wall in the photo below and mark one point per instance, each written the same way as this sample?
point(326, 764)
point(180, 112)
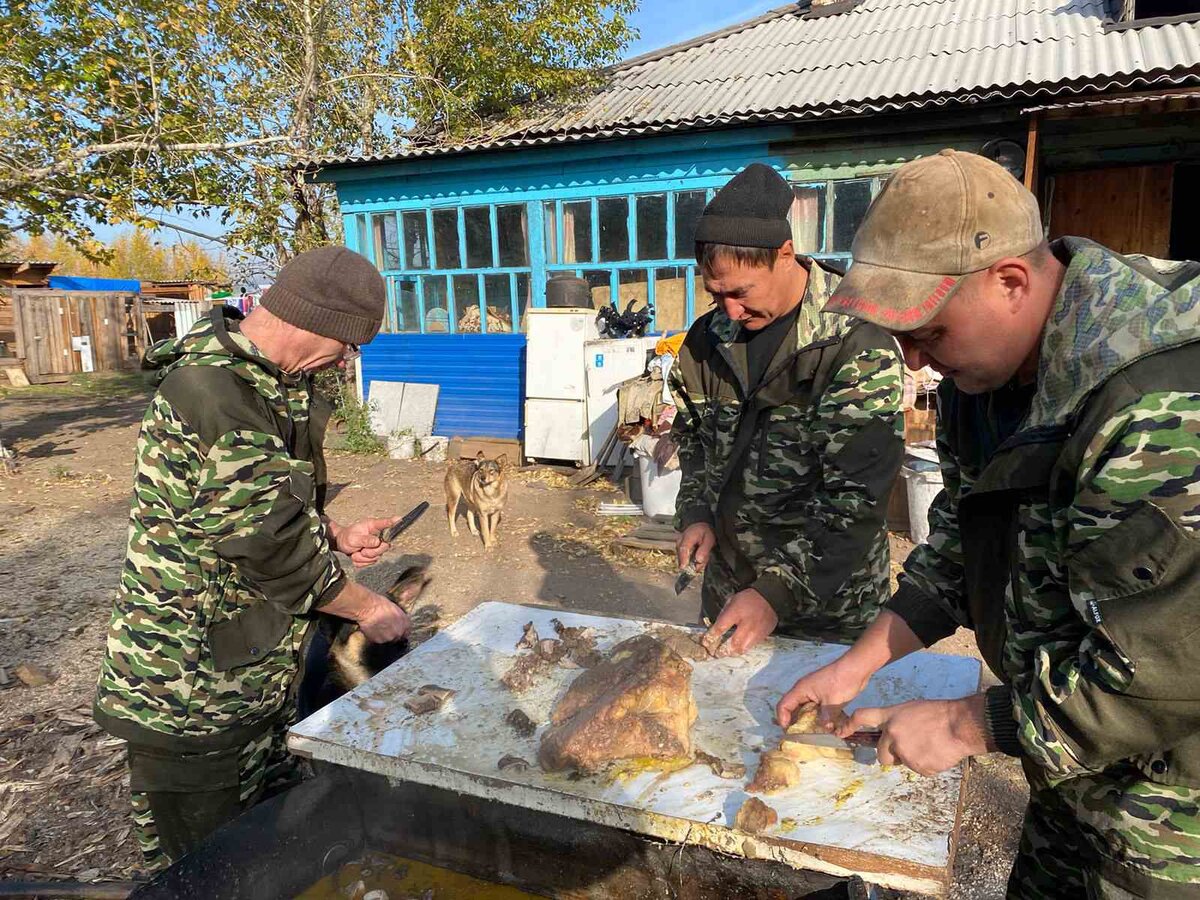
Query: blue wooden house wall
point(427, 293)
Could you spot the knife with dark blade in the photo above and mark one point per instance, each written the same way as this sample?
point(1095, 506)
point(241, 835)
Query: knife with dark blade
point(684, 578)
point(392, 532)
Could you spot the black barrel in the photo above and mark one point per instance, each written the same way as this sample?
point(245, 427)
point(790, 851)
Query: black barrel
point(568, 292)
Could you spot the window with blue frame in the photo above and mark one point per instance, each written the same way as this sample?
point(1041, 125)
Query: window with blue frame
point(455, 269)
point(639, 249)
point(470, 268)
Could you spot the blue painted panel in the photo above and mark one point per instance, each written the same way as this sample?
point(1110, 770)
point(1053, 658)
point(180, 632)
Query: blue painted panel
point(76, 283)
point(482, 378)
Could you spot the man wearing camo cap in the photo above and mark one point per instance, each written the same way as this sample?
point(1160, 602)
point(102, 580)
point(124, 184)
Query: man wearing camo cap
point(1066, 536)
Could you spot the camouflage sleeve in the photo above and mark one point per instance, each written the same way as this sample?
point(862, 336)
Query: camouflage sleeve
point(691, 419)
point(859, 429)
point(256, 505)
point(931, 598)
point(1129, 687)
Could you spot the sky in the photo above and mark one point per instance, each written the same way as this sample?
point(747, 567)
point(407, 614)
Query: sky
point(659, 22)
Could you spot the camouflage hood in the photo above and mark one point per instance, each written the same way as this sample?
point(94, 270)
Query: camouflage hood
point(1111, 311)
point(211, 342)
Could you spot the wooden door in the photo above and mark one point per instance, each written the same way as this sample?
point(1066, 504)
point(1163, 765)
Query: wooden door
point(45, 334)
point(1127, 209)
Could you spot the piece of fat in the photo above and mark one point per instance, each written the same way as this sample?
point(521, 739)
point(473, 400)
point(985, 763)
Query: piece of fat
point(802, 752)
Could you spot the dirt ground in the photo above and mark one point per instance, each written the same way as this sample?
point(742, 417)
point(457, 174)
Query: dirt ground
point(63, 786)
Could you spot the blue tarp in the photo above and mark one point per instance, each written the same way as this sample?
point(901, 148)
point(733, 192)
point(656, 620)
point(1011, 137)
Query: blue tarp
point(78, 283)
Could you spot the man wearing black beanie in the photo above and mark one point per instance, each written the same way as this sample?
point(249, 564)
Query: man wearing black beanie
point(790, 434)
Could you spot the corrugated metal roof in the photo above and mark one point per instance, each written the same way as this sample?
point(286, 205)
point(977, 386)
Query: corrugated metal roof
point(883, 55)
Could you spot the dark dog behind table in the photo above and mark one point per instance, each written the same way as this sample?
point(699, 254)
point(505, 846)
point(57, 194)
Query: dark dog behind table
point(339, 656)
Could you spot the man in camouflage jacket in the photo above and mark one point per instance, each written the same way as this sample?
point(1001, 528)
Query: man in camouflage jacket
point(789, 431)
point(1066, 536)
point(230, 554)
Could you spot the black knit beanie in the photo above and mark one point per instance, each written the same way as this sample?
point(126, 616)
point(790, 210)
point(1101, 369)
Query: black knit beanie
point(750, 211)
point(330, 291)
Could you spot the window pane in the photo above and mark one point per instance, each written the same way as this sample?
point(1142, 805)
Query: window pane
point(850, 202)
point(550, 229)
point(577, 232)
point(688, 207)
point(652, 226)
point(634, 287)
point(806, 215)
point(477, 222)
point(466, 302)
point(445, 238)
point(416, 240)
point(364, 239)
point(614, 229)
point(512, 231)
point(670, 298)
point(387, 241)
point(437, 303)
point(522, 297)
point(406, 306)
point(600, 284)
point(498, 292)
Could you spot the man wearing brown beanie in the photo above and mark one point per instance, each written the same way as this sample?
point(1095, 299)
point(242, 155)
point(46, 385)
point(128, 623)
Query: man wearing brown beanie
point(231, 555)
point(789, 432)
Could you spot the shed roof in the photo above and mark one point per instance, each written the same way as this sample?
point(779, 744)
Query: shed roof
point(880, 56)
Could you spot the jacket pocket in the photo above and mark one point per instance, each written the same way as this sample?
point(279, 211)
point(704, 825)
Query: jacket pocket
point(1137, 586)
point(1138, 582)
point(248, 637)
point(872, 457)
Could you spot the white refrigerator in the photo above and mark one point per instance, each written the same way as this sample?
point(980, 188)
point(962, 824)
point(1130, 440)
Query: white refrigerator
point(556, 425)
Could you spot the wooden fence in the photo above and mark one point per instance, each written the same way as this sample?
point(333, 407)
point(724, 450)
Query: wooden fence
point(46, 321)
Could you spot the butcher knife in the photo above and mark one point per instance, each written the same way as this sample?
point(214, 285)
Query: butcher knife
point(862, 743)
point(392, 532)
point(684, 578)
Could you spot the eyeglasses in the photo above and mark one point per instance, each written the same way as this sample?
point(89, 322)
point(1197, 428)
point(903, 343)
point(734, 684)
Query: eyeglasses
point(351, 353)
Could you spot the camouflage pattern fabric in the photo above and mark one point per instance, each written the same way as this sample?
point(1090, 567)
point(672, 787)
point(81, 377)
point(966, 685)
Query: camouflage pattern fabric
point(1098, 605)
point(265, 767)
point(802, 518)
point(191, 500)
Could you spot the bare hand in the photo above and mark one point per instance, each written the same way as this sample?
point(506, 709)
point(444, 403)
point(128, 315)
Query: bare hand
point(928, 736)
point(361, 541)
point(383, 621)
point(829, 687)
point(752, 617)
point(695, 545)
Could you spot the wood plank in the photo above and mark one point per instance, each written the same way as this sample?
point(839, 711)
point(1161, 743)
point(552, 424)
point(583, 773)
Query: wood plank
point(845, 818)
point(1031, 155)
point(1127, 209)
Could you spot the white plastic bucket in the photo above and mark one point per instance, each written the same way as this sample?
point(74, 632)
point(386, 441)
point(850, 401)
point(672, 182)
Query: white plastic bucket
point(922, 486)
point(659, 490)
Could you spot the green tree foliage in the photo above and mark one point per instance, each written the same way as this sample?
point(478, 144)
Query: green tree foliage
point(113, 111)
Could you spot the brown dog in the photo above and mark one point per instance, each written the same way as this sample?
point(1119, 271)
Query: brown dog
point(483, 484)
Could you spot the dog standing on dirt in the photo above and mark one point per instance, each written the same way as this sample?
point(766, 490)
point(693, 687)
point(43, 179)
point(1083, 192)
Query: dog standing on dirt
point(483, 484)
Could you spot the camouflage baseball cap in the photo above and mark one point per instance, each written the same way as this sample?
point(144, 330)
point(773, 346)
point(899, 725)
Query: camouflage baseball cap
point(936, 220)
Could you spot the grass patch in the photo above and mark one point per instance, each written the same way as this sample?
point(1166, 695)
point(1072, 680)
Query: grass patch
point(89, 386)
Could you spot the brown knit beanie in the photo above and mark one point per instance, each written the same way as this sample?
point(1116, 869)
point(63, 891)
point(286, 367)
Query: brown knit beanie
point(330, 291)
